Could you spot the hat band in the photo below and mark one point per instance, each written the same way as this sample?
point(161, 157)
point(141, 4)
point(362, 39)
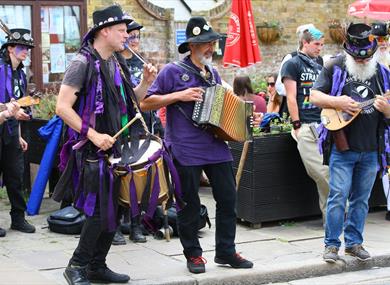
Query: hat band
point(361, 51)
point(17, 36)
point(112, 19)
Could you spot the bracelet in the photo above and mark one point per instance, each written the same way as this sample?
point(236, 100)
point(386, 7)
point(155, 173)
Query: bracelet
point(296, 124)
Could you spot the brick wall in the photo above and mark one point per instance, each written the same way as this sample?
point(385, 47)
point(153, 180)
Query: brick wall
point(158, 45)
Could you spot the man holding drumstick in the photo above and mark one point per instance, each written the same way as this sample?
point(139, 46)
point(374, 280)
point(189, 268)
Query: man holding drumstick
point(96, 100)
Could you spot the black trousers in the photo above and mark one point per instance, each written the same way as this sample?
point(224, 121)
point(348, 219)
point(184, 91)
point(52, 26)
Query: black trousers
point(12, 167)
point(222, 181)
point(94, 243)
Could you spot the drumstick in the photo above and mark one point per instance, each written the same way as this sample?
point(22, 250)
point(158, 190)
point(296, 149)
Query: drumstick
point(136, 117)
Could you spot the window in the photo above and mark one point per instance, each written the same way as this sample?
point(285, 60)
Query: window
point(57, 28)
point(60, 37)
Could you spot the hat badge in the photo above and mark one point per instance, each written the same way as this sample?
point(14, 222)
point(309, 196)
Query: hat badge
point(206, 27)
point(196, 31)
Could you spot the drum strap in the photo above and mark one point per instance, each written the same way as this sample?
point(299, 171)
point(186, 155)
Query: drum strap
point(133, 153)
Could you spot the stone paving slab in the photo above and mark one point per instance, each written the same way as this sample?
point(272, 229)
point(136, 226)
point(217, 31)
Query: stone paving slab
point(281, 252)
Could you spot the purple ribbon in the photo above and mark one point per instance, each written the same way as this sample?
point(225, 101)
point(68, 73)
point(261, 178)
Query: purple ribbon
point(153, 202)
point(80, 201)
point(119, 83)
point(2, 83)
point(175, 181)
point(99, 109)
point(8, 82)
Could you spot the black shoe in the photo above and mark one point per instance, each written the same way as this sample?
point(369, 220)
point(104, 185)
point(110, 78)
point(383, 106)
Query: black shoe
point(196, 264)
point(2, 232)
point(105, 275)
point(387, 217)
point(118, 239)
point(125, 228)
point(22, 225)
point(136, 234)
point(235, 261)
point(76, 275)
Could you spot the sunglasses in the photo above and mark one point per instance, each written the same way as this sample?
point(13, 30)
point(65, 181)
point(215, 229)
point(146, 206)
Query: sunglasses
point(272, 84)
point(382, 39)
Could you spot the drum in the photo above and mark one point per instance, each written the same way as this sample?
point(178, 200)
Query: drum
point(142, 174)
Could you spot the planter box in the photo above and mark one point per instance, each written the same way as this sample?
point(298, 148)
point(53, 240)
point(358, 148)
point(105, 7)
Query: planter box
point(274, 184)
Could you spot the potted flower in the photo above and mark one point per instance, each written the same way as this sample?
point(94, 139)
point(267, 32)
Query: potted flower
point(269, 31)
point(336, 31)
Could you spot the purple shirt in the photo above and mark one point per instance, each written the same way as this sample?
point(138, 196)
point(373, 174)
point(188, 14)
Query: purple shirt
point(190, 145)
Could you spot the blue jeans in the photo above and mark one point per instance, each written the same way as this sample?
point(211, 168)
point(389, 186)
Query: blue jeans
point(351, 177)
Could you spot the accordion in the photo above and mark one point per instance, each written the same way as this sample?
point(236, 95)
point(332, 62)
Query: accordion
point(225, 114)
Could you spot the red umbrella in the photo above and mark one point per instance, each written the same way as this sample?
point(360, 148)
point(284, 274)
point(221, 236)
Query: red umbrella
point(242, 48)
point(372, 9)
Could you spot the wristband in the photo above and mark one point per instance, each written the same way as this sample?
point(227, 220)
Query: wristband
point(296, 124)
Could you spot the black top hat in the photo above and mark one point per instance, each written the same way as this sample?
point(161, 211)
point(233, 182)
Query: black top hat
point(359, 42)
point(19, 37)
point(198, 31)
point(379, 29)
point(133, 26)
point(109, 16)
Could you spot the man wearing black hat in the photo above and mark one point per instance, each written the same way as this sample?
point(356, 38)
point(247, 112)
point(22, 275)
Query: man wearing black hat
point(178, 86)
point(13, 86)
point(96, 100)
point(352, 80)
point(379, 30)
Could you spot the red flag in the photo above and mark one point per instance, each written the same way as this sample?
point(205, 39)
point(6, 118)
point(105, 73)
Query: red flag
point(242, 47)
point(372, 9)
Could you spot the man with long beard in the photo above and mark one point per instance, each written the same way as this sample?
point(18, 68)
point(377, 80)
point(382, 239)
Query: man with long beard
point(379, 30)
point(358, 77)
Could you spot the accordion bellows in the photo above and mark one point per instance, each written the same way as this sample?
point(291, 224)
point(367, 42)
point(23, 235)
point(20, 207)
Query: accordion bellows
point(225, 114)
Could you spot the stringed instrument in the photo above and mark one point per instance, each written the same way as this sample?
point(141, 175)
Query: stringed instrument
point(24, 102)
point(334, 119)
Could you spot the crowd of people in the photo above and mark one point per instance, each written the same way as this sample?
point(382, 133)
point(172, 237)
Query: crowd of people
point(107, 85)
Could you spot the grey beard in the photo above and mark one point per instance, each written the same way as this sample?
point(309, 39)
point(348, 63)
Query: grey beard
point(206, 61)
point(360, 72)
point(383, 57)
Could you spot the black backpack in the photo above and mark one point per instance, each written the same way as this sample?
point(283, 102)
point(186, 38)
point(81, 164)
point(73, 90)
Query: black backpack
point(158, 220)
point(66, 221)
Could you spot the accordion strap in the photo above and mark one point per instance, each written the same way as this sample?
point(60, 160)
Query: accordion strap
point(188, 118)
point(197, 73)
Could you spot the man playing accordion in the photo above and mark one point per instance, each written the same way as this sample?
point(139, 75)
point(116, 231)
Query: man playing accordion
point(178, 86)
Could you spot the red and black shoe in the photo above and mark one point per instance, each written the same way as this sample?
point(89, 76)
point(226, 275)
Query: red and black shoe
point(235, 261)
point(196, 264)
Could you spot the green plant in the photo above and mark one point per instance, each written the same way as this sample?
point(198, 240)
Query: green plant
point(46, 108)
point(270, 24)
point(281, 126)
point(258, 84)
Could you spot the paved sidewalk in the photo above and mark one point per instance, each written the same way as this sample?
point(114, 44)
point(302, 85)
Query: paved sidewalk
point(281, 252)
